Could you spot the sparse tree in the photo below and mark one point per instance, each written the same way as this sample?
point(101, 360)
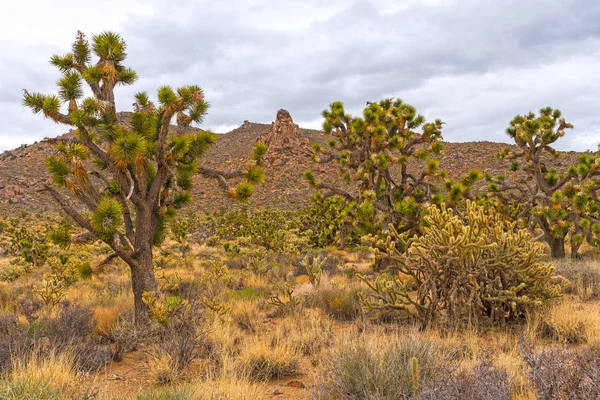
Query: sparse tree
point(563, 206)
point(130, 172)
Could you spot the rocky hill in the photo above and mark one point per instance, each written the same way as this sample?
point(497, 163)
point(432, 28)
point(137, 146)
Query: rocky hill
point(22, 169)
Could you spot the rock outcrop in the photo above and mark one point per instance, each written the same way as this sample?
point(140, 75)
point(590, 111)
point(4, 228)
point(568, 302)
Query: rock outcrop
point(285, 140)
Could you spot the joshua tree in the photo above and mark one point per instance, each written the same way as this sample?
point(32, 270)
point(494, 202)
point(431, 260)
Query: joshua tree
point(562, 206)
point(367, 149)
point(131, 172)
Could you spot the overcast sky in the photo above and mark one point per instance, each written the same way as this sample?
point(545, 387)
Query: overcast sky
point(473, 63)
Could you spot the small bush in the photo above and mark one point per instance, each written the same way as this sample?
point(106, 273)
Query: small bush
point(169, 393)
point(162, 368)
point(88, 357)
point(249, 293)
point(179, 341)
point(308, 335)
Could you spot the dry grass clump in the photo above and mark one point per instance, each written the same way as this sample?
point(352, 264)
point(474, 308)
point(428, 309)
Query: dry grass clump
point(260, 362)
point(106, 320)
point(382, 367)
point(308, 334)
point(566, 323)
point(213, 388)
point(245, 316)
point(47, 377)
point(340, 302)
point(584, 277)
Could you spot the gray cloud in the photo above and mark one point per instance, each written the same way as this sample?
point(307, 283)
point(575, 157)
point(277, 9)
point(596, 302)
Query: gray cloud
point(473, 63)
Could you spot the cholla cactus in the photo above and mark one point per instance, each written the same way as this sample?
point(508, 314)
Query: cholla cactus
point(314, 269)
point(464, 268)
point(132, 173)
point(365, 150)
point(52, 290)
point(563, 206)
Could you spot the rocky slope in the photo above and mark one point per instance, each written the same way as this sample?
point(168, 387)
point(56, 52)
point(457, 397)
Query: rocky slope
point(22, 169)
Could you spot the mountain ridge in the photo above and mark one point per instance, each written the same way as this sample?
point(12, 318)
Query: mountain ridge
point(22, 170)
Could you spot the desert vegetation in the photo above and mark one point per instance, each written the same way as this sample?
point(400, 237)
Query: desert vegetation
point(398, 281)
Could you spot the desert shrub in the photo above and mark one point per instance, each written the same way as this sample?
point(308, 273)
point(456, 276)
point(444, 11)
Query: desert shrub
point(266, 228)
point(73, 324)
point(330, 264)
point(562, 373)
point(52, 290)
point(68, 269)
point(27, 242)
point(376, 369)
point(284, 300)
point(106, 319)
point(249, 293)
point(584, 278)
point(340, 303)
point(13, 271)
point(213, 388)
point(127, 337)
point(178, 341)
point(88, 356)
point(14, 342)
point(466, 267)
point(482, 382)
point(314, 269)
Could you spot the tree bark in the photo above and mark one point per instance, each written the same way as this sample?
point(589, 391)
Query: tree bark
point(143, 280)
point(557, 247)
point(142, 271)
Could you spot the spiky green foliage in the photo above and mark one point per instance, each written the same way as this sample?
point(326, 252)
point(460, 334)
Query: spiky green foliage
point(131, 172)
point(107, 217)
point(462, 269)
point(388, 156)
point(556, 204)
point(327, 222)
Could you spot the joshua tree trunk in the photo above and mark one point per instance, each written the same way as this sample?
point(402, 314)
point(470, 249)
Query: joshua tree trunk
point(142, 280)
point(557, 247)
